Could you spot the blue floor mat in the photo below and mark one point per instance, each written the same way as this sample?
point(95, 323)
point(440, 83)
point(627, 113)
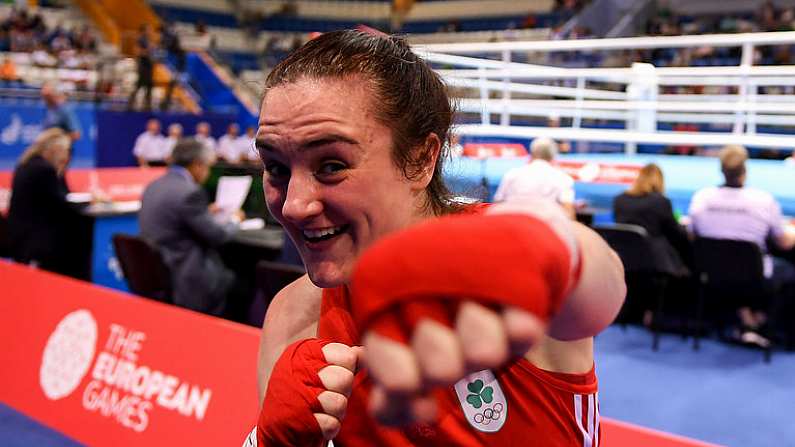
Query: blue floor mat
point(18, 430)
point(722, 394)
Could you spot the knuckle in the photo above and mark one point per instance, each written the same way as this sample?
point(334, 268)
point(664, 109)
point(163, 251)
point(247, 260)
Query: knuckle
point(329, 425)
point(337, 404)
point(336, 378)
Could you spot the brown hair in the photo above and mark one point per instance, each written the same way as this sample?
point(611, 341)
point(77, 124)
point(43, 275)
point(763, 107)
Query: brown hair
point(409, 97)
point(650, 179)
point(732, 163)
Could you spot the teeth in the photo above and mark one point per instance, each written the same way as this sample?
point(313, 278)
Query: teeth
point(312, 234)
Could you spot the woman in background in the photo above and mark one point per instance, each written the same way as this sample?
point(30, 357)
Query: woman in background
point(43, 227)
point(645, 205)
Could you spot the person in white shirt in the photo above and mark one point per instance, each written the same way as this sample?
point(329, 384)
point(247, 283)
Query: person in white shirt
point(203, 136)
point(737, 212)
point(246, 145)
point(174, 134)
point(790, 161)
point(539, 179)
point(228, 145)
point(150, 146)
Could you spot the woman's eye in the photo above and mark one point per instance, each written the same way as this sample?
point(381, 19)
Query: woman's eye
point(331, 168)
point(276, 171)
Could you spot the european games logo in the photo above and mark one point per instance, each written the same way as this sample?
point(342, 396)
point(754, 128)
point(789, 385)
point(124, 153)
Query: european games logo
point(68, 354)
point(119, 387)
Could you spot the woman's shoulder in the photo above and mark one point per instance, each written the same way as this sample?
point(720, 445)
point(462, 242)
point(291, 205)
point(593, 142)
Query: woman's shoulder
point(294, 308)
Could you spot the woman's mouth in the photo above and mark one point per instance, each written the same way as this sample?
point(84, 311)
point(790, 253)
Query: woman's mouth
point(323, 234)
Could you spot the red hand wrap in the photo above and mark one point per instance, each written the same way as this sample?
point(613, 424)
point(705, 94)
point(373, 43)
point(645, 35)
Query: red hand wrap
point(287, 416)
point(496, 260)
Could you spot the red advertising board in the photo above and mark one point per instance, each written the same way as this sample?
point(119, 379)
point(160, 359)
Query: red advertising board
point(486, 150)
point(595, 172)
point(119, 184)
point(107, 368)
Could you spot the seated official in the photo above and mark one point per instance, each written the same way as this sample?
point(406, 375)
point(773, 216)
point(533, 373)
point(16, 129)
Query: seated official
point(151, 149)
point(43, 227)
point(175, 216)
point(174, 135)
point(229, 145)
point(539, 179)
point(737, 212)
point(645, 205)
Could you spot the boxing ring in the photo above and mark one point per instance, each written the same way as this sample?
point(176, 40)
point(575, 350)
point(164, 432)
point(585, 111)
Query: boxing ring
point(509, 92)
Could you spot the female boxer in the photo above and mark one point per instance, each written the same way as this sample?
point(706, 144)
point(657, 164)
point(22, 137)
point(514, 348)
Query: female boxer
point(421, 321)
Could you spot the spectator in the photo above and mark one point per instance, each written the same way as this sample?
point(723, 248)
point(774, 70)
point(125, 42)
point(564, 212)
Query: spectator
point(246, 143)
point(41, 57)
point(175, 215)
point(539, 179)
point(644, 204)
point(8, 71)
point(150, 146)
point(203, 136)
point(41, 222)
point(170, 42)
point(734, 211)
point(229, 145)
point(59, 114)
point(174, 135)
point(790, 161)
point(145, 69)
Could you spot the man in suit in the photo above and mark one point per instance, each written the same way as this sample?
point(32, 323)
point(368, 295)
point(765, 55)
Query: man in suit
point(175, 215)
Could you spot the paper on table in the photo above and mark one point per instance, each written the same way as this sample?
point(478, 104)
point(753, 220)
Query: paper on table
point(256, 223)
point(231, 193)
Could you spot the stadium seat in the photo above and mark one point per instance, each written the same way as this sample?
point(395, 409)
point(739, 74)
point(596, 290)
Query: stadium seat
point(143, 267)
point(643, 270)
point(728, 271)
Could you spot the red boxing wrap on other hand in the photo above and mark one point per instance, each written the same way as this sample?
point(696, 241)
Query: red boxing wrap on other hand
point(287, 416)
point(425, 271)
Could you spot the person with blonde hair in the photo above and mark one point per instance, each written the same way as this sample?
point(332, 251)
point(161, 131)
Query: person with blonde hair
point(645, 204)
point(40, 219)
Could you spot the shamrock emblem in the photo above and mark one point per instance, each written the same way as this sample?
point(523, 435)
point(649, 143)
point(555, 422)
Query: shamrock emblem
point(478, 394)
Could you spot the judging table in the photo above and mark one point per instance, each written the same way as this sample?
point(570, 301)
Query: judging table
point(601, 177)
point(241, 253)
point(124, 187)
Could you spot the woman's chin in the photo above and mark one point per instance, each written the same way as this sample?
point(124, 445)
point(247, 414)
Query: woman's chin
point(326, 278)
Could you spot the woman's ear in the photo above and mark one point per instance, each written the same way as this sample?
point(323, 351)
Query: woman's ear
point(431, 148)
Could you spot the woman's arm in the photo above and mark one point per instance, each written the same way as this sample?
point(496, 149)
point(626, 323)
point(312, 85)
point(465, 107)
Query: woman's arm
point(292, 315)
point(598, 295)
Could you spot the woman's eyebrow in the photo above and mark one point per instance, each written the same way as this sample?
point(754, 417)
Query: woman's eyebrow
point(327, 140)
point(263, 144)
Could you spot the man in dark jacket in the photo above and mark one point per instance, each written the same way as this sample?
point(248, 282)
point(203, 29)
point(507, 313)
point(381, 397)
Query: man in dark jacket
point(175, 216)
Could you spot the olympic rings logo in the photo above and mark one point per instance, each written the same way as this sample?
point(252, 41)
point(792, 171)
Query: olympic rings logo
point(489, 414)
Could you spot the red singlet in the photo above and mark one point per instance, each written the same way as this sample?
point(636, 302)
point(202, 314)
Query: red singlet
point(518, 404)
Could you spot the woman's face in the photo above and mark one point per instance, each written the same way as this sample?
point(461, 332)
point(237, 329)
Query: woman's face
point(329, 176)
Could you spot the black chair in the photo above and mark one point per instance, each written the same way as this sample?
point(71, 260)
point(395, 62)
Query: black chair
point(143, 267)
point(5, 244)
point(643, 272)
point(271, 278)
point(733, 271)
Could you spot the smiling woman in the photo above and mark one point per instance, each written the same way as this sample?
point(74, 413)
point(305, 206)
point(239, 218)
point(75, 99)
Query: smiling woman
point(445, 298)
